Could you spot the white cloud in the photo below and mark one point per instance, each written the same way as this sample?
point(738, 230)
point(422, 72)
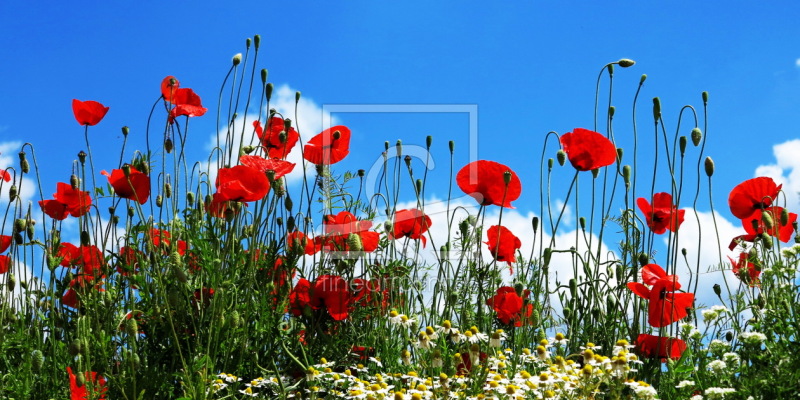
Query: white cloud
point(797, 62)
point(26, 187)
point(786, 171)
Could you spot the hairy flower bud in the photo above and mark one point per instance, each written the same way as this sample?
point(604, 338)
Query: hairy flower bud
point(297, 95)
point(784, 217)
point(264, 74)
point(428, 141)
point(682, 144)
point(12, 193)
point(159, 201)
point(167, 190)
point(766, 217)
point(23, 163)
point(656, 109)
point(535, 224)
point(709, 166)
point(705, 97)
point(354, 242)
point(626, 175)
point(611, 111)
point(74, 182)
point(12, 282)
point(697, 135)
point(561, 156)
point(626, 62)
point(642, 79)
point(237, 58)
point(37, 360)
point(269, 88)
point(419, 186)
point(549, 164)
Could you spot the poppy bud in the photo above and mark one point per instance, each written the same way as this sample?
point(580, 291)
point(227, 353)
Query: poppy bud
point(548, 252)
point(717, 289)
point(642, 79)
point(766, 217)
point(237, 59)
point(705, 97)
point(86, 239)
point(619, 154)
point(75, 347)
point(190, 197)
point(271, 175)
point(619, 270)
point(682, 144)
point(18, 239)
point(134, 359)
point(257, 41)
point(115, 219)
point(398, 146)
point(567, 312)
point(20, 224)
point(784, 217)
point(74, 182)
point(561, 156)
point(610, 69)
point(464, 228)
point(626, 175)
point(82, 156)
point(595, 172)
point(361, 173)
point(37, 360)
point(452, 146)
point(80, 380)
point(288, 203)
point(12, 192)
point(643, 259)
point(290, 223)
point(697, 134)
point(131, 327)
point(167, 190)
point(709, 166)
point(23, 162)
point(248, 149)
point(233, 319)
point(419, 186)
point(168, 145)
point(611, 110)
point(535, 224)
point(656, 109)
point(270, 87)
point(611, 302)
point(407, 159)
point(428, 141)
point(549, 164)
point(278, 220)
point(131, 211)
point(264, 75)
point(683, 251)
point(30, 230)
point(626, 62)
point(354, 242)
point(573, 287)
point(582, 222)
point(247, 42)
point(766, 240)
point(12, 282)
point(159, 201)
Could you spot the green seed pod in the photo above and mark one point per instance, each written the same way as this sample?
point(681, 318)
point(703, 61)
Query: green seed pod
point(443, 253)
point(642, 79)
point(419, 186)
point(573, 287)
point(567, 313)
point(784, 217)
point(361, 173)
point(766, 240)
point(290, 223)
point(626, 175)
point(12, 282)
point(278, 188)
point(548, 253)
point(561, 156)
point(507, 177)
point(697, 135)
point(115, 219)
point(428, 141)
point(717, 289)
point(626, 62)
point(159, 201)
point(12, 193)
point(705, 97)
point(30, 231)
point(656, 109)
point(620, 152)
point(134, 359)
point(20, 224)
point(683, 251)
point(549, 164)
point(288, 203)
point(766, 217)
point(264, 74)
point(233, 319)
point(247, 43)
point(167, 190)
point(132, 327)
point(237, 58)
point(535, 224)
point(682, 144)
point(190, 197)
point(82, 157)
point(74, 182)
point(354, 242)
point(619, 270)
point(37, 360)
point(131, 211)
point(257, 41)
point(407, 160)
point(709, 167)
point(287, 124)
point(23, 163)
point(644, 259)
point(75, 347)
point(452, 146)
point(269, 88)
point(595, 173)
point(611, 302)
point(582, 222)
point(279, 221)
point(611, 111)
point(80, 379)
point(168, 145)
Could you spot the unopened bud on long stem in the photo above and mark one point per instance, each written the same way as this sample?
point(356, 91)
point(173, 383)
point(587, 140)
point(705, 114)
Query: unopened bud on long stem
point(709, 166)
point(237, 59)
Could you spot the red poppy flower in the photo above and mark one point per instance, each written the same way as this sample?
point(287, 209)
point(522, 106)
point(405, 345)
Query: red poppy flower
point(202, 296)
point(168, 87)
point(300, 297)
point(338, 229)
point(300, 242)
point(5, 242)
point(67, 201)
point(5, 264)
point(751, 195)
point(79, 285)
point(747, 271)
point(502, 243)
point(280, 167)
point(588, 150)
point(662, 214)
point(88, 258)
point(94, 382)
point(5, 175)
point(660, 347)
point(509, 306)
point(136, 186)
point(755, 225)
point(666, 306)
point(465, 366)
point(329, 146)
point(88, 112)
point(484, 181)
point(410, 223)
point(271, 137)
point(333, 293)
point(128, 262)
point(187, 103)
point(652, 273)
point(163, 239)
point(219, 206)
point(242, 183)
point(368, 293)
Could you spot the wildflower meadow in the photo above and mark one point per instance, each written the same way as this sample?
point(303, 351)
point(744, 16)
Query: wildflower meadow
point(222, 278)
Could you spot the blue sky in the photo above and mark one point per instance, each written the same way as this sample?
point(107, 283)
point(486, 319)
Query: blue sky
point(530, 67)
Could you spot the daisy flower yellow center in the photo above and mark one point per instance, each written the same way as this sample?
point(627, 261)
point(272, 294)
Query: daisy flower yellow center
point(393, 314)
point(446, 324)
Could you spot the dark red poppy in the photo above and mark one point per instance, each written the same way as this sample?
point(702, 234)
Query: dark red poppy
point(755, 225)
point(88, 112)
point(509, 306)
point(5, 242)
point(465, 366)
point(650, 346)
point(300, 297)
point(333, 293)
point(411, 224)
point(135, 186)
point(66, 201)
point(301, 243)
point(202, 296)
point(5, 263)
point(662, 214)
point(242, 183)
point(503, 244)
point(279, 167)
point(484, 181)
point(665, 305)
point(94, 383)
point(276, 146)
point(745, 269)
point(69, 254)
point(751, 195)
point(588, 150)
point(328, 147)
point(128, 261)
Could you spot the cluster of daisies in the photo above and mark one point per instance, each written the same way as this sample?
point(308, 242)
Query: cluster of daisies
point(484, 371)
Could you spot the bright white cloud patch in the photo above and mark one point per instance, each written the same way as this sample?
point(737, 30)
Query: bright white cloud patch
point(785, 171)
point(26, 188)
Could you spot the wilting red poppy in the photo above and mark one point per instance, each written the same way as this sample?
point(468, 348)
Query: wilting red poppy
point(410, 223)
point(300, 242)
point(5, 264)
point(279, 167)
point(333, 293)
point(88, 112)
point(300, 297)
point(509, 306)
point(5, 242)
point(660, 347)
point(662, 214)
point(484, 181)
point(747, 271)
point(502, 244)
point(242, 183)
point(271, 137)
point(652, 273)
point(751, 195)
point(665, 306)
point(135, 186)
point(588, 150)
point(67, 201)
point(755, 225)
point(94, 382)
point(328, 147)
